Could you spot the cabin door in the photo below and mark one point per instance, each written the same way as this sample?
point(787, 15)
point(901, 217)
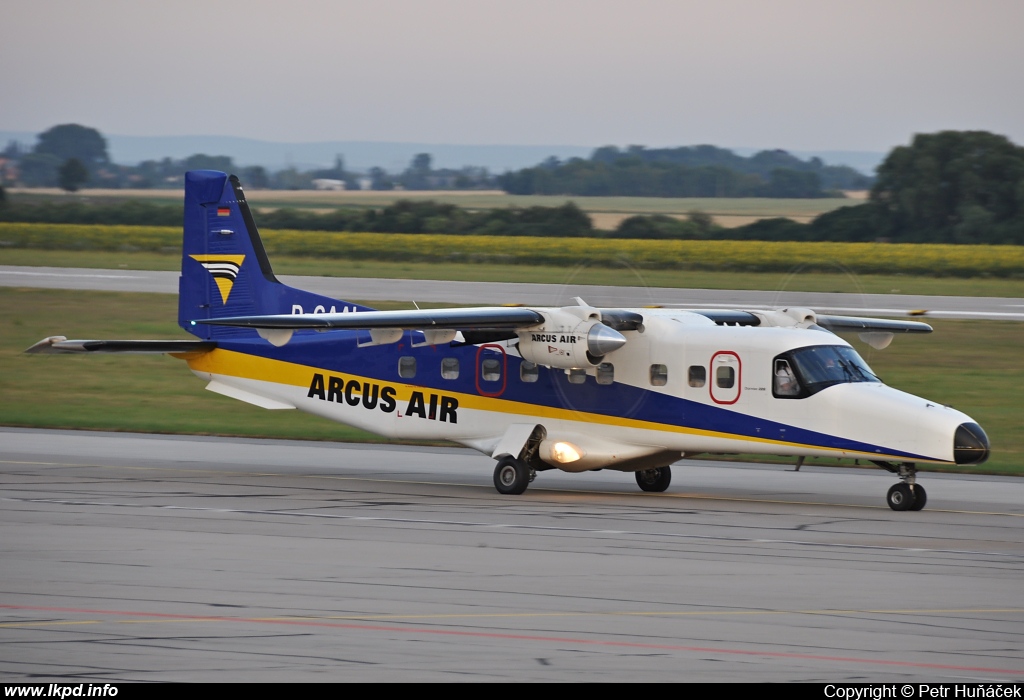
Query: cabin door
point(726, 375)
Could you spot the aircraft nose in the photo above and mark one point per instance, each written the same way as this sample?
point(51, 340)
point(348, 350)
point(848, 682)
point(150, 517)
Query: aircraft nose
point(970, 444)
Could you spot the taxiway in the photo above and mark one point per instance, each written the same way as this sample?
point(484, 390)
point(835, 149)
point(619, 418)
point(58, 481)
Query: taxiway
point(165, 558)
point(351, 288)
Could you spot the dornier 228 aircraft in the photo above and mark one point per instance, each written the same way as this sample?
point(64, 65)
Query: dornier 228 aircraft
point(574, 388)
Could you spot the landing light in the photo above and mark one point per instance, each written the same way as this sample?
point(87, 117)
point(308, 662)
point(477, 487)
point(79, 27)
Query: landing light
point(565, 452)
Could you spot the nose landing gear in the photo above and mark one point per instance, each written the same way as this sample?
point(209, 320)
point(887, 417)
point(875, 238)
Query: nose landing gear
point(906, 497)
point(908, 494)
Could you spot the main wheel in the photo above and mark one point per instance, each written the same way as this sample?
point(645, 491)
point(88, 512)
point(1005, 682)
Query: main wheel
point(920, 497)
point(900, 497)
point(511, 476)
point(654, 480)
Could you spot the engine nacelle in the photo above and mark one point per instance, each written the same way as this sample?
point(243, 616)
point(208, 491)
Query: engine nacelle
point(788, 318)
point(570, 338)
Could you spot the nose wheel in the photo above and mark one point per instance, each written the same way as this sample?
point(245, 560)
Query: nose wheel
point(908, 494)
point(906, 497)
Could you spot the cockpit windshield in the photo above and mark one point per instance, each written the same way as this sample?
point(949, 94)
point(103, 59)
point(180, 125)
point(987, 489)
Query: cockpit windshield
point(806, 371)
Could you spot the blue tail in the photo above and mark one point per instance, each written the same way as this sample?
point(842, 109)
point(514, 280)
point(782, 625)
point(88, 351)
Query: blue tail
point(224, 267)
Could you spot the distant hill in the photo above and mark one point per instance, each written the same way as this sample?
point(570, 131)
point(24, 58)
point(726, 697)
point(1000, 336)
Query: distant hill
point(393, 156)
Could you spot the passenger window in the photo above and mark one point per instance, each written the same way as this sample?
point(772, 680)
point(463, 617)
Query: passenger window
point(606, 373)
point(490, 369)
point(725, 377)
point(698, 376)
point(407, 367)
point(577, 376)
point(659, 375)
point(784, 381)
point(450, 368)
point(528, 372)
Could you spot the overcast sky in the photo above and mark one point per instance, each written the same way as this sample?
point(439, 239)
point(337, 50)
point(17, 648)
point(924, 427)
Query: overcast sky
point(795, 74)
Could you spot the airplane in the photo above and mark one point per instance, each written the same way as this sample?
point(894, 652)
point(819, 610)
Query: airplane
point(574, 388)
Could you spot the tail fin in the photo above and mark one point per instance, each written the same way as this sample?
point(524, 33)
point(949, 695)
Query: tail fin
point(224, 266)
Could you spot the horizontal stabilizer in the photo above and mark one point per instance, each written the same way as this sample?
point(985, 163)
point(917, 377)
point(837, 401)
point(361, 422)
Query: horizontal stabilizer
point(839, 324)
point(486, 318)
point(59, 345)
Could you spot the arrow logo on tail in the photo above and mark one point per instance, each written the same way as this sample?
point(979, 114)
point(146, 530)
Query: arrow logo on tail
point(224, 269)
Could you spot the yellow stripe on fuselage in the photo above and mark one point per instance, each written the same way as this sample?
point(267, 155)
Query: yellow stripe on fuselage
point(244, 366)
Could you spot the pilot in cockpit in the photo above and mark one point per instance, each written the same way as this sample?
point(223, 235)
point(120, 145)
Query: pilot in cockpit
point(785, 382)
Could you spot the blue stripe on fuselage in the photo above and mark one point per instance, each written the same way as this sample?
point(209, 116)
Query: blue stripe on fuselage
point(337, 351)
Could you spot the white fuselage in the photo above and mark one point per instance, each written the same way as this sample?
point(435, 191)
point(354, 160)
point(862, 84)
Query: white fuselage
point(682, 385)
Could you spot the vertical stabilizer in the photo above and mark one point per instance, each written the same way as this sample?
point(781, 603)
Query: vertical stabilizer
point(225, 270)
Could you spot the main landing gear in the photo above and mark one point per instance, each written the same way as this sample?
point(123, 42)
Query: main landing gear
point(512, 476)
point(654, 480)
point(908, 494)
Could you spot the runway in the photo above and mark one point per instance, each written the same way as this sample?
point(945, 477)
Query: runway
point(164, 558)
point(349, 288)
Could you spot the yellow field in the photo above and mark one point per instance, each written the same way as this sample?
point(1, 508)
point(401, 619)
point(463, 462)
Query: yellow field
point(751, 256)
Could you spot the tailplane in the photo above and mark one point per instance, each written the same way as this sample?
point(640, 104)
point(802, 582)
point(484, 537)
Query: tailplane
point(225, 270)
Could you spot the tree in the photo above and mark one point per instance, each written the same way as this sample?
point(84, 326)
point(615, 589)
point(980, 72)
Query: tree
point(656, 226)
point(380, 180)
point(292, 179)
point(38, 170)
point(72, 175)
point(417, 175)
point(67, 141)
point(421, 163)
point(14, 150)
point(955, 186)
point(255, 176)
point(786, 182)
point(201, 161)
point(703, 222)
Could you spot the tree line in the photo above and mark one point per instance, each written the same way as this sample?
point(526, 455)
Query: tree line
point(404, 216)
point(694, 171)
point(72, 156)
point(946, 187)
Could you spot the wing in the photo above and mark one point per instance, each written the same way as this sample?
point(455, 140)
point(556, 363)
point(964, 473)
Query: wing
point(585, 331)
point(836, 324)
point(465, 319)
point(871, 325)
point(59, 345)
point(495, 319)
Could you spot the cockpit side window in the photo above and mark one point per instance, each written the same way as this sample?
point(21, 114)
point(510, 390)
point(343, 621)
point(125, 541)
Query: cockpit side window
point(817, 367)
